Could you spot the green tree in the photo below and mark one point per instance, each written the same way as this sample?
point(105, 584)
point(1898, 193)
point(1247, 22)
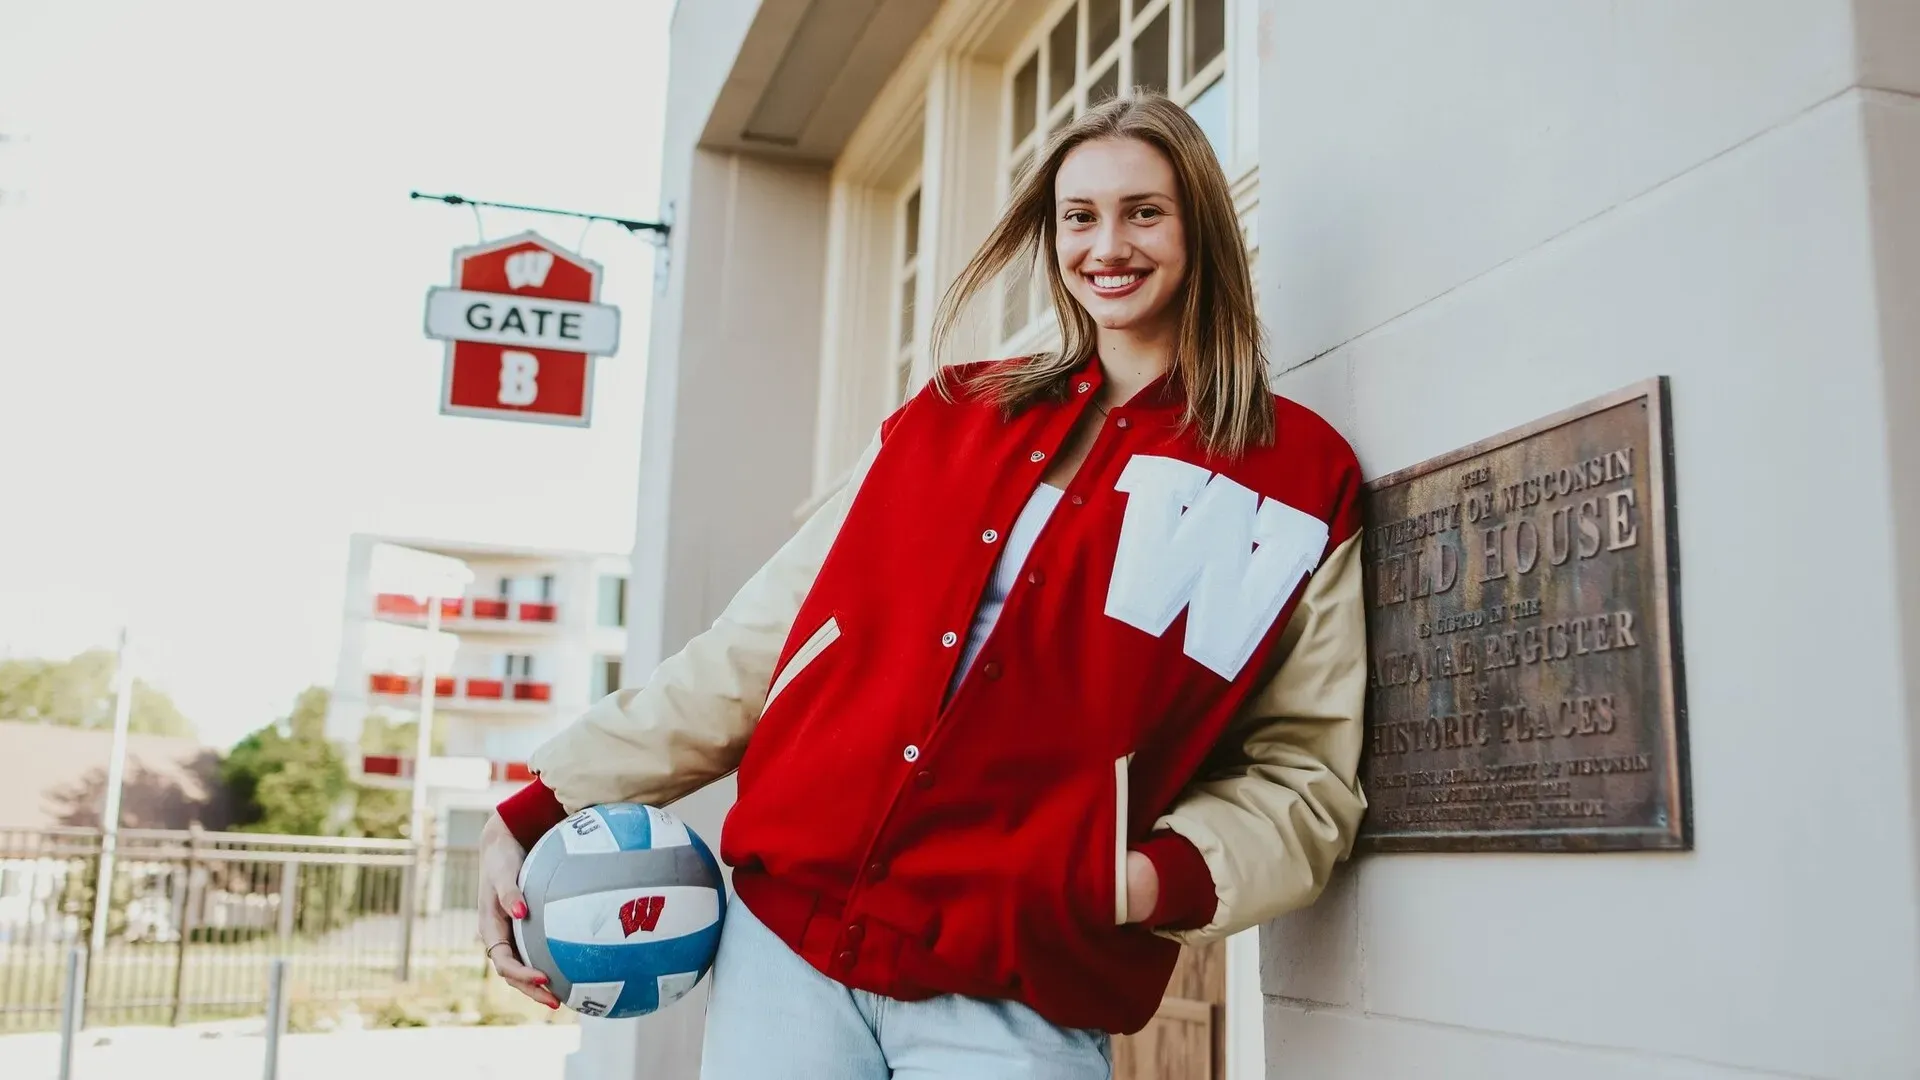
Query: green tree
point(379, 811)
point(78, 692)
point(286, 777)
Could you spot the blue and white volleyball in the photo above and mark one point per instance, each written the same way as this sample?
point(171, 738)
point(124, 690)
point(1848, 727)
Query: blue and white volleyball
point(624, 905)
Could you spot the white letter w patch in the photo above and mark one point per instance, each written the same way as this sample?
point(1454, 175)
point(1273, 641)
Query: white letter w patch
point(1231, 558)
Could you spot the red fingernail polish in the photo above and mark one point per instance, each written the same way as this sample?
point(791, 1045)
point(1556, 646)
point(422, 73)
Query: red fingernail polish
point(553, 1005)
point(541, 981)
point(520, 910)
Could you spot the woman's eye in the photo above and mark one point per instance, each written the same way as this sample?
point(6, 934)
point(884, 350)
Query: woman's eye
point(1079, 217)
point(1148, 212)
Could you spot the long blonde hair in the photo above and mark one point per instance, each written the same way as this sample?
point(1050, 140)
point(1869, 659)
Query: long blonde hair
point(1218, 361)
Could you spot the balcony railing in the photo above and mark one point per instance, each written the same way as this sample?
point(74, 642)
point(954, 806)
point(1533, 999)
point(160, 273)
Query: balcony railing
point(484, 609)
point(471, 689)
point(401, 768)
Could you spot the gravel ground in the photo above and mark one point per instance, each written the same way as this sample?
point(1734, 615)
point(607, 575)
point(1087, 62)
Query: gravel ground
point(236, 1051)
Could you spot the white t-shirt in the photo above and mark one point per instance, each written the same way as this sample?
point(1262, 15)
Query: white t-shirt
point(1006, 572)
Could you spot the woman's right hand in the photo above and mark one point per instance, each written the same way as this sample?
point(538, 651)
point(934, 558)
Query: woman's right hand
point(500, 900)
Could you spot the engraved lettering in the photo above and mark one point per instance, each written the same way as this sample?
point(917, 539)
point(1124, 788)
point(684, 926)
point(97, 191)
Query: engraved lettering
point(1624, 533)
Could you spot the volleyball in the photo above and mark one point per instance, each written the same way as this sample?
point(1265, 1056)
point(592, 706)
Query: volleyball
point(624, 905)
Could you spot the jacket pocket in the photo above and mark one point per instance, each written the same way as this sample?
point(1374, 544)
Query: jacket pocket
point(808, 652)
point(1121, 767)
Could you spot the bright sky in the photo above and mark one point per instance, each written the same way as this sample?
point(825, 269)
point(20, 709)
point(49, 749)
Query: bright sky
point(212, 369)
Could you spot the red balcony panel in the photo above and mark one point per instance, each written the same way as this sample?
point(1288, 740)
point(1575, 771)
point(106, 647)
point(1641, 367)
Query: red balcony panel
point(517, 772)
point(490, 689)
point(443, 686)
point(533, 691)
point(384, 765)
point(387, 603)
point(489, 609)
point(384, 683)
point(450, 609)
point(538, 613)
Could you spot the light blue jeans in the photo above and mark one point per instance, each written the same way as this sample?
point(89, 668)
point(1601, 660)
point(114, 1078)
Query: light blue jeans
point(771, 1016)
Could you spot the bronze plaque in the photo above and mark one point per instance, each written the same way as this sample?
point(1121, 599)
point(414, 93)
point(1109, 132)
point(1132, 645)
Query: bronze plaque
point(1523, 634)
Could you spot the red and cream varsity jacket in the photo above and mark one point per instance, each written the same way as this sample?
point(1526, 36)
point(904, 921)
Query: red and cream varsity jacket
point(1180, 670)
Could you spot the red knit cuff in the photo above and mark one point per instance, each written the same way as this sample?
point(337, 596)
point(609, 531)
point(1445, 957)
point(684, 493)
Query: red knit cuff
point(530, 812)
point(1187, 901)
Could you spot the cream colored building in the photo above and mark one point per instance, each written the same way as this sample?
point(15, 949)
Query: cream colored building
point(1467, 215)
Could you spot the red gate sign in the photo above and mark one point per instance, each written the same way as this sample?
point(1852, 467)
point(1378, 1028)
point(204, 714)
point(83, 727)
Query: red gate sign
point(522, 327)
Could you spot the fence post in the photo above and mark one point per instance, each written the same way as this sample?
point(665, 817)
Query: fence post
point(415, 889)
point(73, 1006)
point(289, 891)
point(276, 1013)
point(186, 925)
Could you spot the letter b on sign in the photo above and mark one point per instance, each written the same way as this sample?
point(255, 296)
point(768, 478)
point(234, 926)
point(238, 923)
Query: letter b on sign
point(519, 378)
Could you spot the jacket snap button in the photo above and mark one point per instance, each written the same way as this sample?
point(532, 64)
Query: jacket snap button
point(991, 669)
point(1037, 455)
point(876, 871)
point(923, 779)
point(1078, 501)
point(989, 536)
point(1036, 577)
point(845, 959)
point(854, 933)
point(1122, 422)
point(949, 638)
point(911, 753)
point(1084, 387)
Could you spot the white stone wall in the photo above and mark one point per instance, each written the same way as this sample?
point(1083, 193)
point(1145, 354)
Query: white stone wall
point(1480, 212)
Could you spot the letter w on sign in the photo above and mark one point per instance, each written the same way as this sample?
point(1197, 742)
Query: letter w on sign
point(1194, 540)
point(642, 913)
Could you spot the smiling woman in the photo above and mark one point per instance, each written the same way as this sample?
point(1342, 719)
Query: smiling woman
point(1085, 54)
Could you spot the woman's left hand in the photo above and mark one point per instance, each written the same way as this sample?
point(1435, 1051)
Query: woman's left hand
point(1143, 887)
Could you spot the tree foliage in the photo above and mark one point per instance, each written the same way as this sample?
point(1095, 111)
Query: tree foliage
point(286, 777)
point(78, 692)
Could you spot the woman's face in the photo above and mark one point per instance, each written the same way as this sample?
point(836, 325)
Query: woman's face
point(1119, 236)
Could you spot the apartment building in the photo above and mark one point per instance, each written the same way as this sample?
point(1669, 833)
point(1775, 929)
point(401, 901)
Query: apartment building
point(535, 638)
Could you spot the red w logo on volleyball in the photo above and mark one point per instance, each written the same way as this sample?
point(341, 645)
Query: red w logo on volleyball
point(641, 914)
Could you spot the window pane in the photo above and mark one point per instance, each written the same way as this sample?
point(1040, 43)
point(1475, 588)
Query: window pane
point(1150, 55)
point(902, 377)
point(906, 310)
point(1018, 172)
point(1209, 110)
point(913, 226)
point(613, 600)
point(1103, 26)
point(1060, 57)
point(1104, 85)
point(1206, 33)
point(1026, 97)
point(1059, 121)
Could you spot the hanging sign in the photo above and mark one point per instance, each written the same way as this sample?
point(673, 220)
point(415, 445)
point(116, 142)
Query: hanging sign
point(522, 326)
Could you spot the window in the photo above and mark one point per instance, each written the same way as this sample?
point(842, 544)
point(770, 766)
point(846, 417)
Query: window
point(906, 281)
point(1086, 52)
point(514, 667)
point(606, 676)
point(613, 600)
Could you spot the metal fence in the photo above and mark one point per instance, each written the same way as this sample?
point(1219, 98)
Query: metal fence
point(196, 918)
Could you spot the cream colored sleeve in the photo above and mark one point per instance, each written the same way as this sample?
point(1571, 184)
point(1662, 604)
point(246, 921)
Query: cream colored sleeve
point(688, 726)
point(1279, 803)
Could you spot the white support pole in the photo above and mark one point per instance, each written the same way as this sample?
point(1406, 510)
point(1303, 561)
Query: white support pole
point(422, 749)
point(73, 1007)
point(276, 1014)
point(423, 741)
point(110, 815)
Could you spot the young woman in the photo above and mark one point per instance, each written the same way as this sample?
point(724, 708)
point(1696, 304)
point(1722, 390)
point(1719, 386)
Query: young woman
point(1069, 672)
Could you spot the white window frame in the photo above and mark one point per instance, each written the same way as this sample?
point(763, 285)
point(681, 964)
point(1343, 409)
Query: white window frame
point(1135, 15)
point(903, 327)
